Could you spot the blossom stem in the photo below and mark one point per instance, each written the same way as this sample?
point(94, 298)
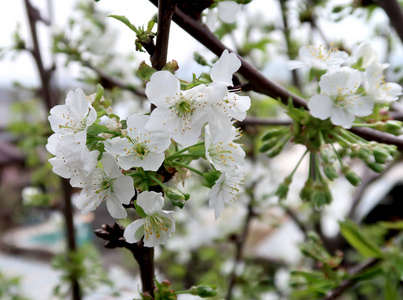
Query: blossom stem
point(157, 181)
point(188, 167)
point(337, 154)
point(339, 137)
point(183, 150)
point(113, 132)
point(299, 162)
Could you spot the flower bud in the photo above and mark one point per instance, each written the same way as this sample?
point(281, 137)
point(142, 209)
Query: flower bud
point(376, 167)
point(176, 196)
point(276, 132)
point(269, 145)
point(307, 191)
point(392, 127)
point(283, 188)
point(330, 171)
point(327, 154)
point(364, 153)
point(166, 286)
point(382, 156)
point(203, 291)
point(275, 150)
point(351, 176)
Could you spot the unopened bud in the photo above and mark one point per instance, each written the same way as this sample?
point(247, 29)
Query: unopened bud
point(382, 156)
point(203, 291)
point(166, 286)
point(364, 153)
point(276, 132)
point(392, 127)
point(376, 167)
point(283, 188)
point(327, 154)
point(269, 145)
point(275, 150)
point(351, 176)
point(330, 171)
point(176, 196)
point(307, 191)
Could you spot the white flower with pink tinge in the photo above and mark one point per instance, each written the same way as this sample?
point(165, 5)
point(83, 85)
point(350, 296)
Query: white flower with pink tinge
point(156, 227)
point(339, 99)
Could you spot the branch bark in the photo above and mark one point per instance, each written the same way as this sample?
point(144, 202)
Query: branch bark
point(348, 283)
point(395, 14)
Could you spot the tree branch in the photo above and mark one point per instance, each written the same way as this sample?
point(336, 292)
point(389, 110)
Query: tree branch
point(395, 14)
point(113, 82)
point(348, 283)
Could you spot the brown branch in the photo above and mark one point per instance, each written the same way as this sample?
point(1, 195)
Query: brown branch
point(45, 76)
point(395, 14)
point(286, 32)
point(348, 283)
point(166, 9)
point(239, 243)
point(143, 255)
point(252, 121)
point(113, 82)
point(258, 81)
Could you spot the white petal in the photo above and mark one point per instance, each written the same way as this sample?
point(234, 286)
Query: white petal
point(342, 117)
point(117, 145)
point(123, 189)
point(53, 141)
point(150, 202)
point(225, 67)
point(137, 121)
point(115, 208)
point(163, 85)
point(134, 231)
point(77, 102)
point(110, 166)
point(153, 162)
point(227, 11)
point(321, 106)
point(362, 106)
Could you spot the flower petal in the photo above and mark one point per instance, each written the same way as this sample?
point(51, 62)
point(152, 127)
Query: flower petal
point(227, 11)
point(226, 66)
point(163, 86)
point(321, 106)
point(342, 117)
point(134, 231)
point(123, 189)
point(150, 202)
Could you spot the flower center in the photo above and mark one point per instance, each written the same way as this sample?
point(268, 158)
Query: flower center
point(74, 124)
point(184, 107)
point(156, 225)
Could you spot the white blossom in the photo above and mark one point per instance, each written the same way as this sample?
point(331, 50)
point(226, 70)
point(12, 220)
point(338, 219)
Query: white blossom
point(226, 190)
point(377, 89)
point(74, 117)
point(179, 113)
point(226, 154)
point(156, 227)
point(228, 10)
point(364, 52)
point(106, 184)
point(72, 159)
point(318, 57)
point(231, 106)
point(339, 98)
point(139, 147)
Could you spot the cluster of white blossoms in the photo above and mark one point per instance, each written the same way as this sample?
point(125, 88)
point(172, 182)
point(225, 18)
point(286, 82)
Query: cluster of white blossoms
point(203, 114)
point(351, 86)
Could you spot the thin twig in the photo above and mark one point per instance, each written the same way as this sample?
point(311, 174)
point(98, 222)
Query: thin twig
point(286, 32)
point(252, 121)
point(113, 82)
point(348, 283)
point(240, 243)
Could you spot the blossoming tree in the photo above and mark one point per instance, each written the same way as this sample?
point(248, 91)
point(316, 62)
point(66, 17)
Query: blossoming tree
point(342, 116)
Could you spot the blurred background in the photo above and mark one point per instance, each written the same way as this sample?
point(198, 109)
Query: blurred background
point(48, 48)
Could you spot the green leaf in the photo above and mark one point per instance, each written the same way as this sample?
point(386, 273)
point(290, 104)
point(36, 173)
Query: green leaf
point(96, 129)
point(210, 178)
point(199, 150)
point(392, 225)
point(391, 291)
point(139, 210)
point(171, 66)
point(125, 21)
point(145, 71)
point(356, 238)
